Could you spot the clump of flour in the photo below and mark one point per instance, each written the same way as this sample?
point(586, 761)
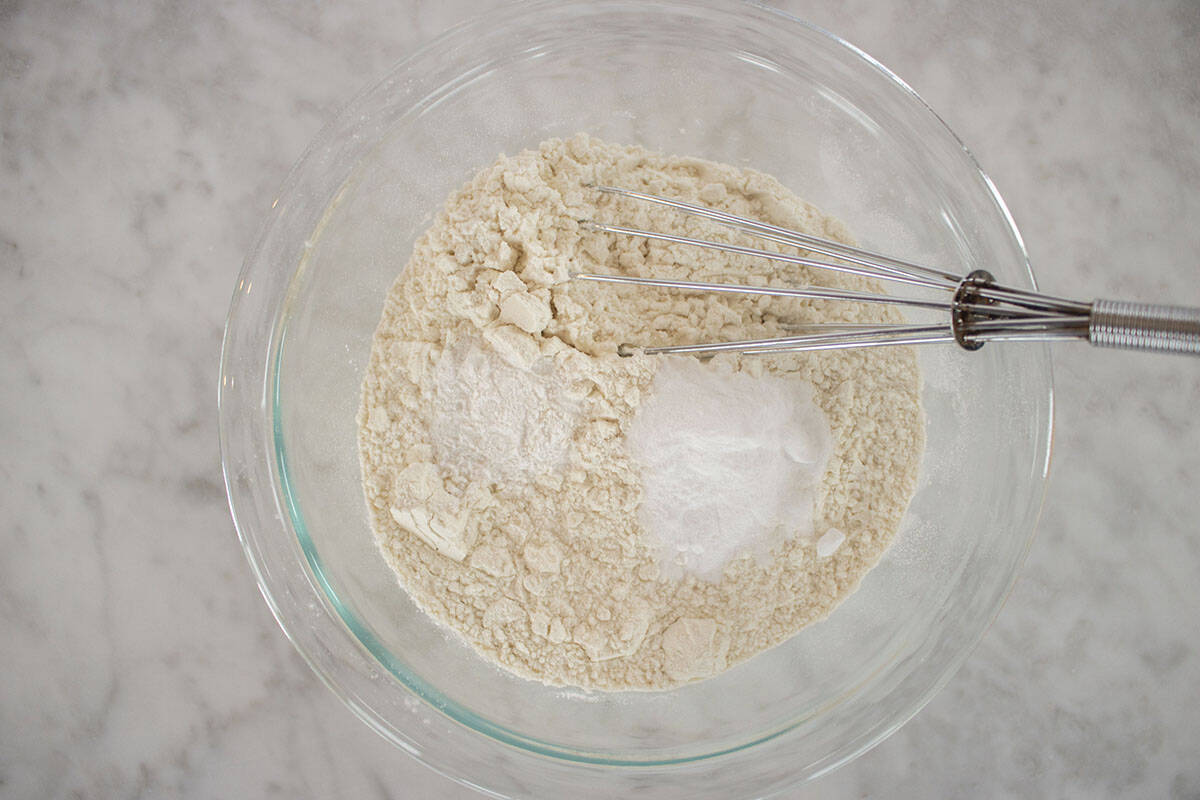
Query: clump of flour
point(499, 427)
point(731, 463)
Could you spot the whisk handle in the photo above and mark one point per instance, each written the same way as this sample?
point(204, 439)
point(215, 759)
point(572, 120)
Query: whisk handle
point(1145, 326)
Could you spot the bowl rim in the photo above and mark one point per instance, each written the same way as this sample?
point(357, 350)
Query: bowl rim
point(250, 455)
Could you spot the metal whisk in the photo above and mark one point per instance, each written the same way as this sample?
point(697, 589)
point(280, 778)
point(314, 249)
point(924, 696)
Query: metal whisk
point(977, 310)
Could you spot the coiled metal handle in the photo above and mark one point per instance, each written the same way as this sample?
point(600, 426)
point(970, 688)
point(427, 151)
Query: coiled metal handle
point(1143, 326)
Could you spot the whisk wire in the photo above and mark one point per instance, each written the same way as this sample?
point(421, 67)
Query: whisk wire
point(815, 292)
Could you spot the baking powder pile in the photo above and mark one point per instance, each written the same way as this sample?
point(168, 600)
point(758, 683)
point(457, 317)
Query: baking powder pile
point(509, 454)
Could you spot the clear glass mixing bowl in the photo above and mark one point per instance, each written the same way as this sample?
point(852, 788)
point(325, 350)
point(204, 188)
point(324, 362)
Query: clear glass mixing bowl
point(736, 83)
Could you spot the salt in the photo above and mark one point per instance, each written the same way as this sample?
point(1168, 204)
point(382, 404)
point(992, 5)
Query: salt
point(730, 463)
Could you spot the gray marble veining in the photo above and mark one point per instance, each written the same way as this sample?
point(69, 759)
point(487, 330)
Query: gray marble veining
point(140, 145)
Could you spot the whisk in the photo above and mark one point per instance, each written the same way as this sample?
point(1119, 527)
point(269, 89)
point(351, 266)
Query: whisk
point(976, 309)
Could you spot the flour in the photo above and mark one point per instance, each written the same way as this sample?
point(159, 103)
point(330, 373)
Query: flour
point(829, 542)
point(730, 463)
point(497, 420)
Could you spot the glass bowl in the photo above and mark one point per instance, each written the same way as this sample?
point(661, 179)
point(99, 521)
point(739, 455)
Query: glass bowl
point(736, 83)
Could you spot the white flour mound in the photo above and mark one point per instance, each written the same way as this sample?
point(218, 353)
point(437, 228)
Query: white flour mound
point(515, 467)
point(496, 423)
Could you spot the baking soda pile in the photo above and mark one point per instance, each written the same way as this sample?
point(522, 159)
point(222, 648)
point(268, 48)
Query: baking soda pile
point(730, 464)
point(624, 523)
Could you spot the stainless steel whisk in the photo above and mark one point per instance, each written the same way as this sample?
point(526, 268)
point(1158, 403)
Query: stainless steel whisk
point(977, 309)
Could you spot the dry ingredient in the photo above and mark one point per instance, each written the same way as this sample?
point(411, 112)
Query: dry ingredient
point(508, 451)
point(730, 464)
point(495, 423)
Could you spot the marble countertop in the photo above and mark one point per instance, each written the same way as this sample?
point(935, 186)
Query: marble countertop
point(141, 143)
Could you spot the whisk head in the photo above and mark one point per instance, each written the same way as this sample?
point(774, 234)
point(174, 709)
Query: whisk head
point(975, 309)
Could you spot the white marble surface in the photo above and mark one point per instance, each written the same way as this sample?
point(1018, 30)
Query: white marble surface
point(140, 145)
